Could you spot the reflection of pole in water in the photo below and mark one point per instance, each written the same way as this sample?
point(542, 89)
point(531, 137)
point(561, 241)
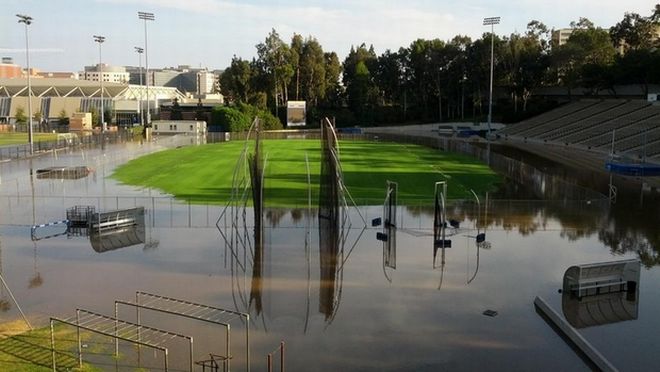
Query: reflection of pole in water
point(329, 199)
point(389, 229)
point(308, 256)
point(36, 280)
point(4, 304)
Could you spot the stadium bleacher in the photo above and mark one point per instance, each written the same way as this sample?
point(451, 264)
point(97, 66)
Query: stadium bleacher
point(589, 124)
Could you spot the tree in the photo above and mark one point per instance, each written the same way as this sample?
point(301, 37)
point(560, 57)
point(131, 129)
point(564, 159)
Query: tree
point(235, 81)
point(361, 89)
point(297, 43)
point(230, 119)
point(389, 76)
point(63, 118)
point(96, 120)
point(312, 72)
point(636, 32)
point(20, 116)
point(274, 60)
point(587, 45)
point(333, 89)
point(176, 113)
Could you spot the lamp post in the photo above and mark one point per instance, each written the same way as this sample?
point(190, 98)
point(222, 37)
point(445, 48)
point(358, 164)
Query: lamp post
point(146, 17)
point(140, 51)
point(28, 21)
point(100, 40)
point(491, 21)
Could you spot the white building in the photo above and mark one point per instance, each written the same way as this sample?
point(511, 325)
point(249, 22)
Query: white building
point(111, 74)
point(560, 36)
point(206, 81)
point(179, 126)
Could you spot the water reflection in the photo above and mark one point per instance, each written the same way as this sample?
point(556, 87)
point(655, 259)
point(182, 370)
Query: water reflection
point(603, 293)
point(110, 240)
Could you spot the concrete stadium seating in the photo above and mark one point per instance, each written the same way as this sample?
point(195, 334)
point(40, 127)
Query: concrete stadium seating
point(589, 124)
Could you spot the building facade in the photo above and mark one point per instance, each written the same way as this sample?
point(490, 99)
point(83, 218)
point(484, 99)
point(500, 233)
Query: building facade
point(111, 74)
point(9, 70)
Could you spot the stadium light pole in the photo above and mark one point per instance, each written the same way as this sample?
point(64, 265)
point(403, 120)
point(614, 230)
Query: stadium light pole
point(22, 18)
point(146, 17)
point(491, 21)
point(100, 40)
point(139, 52)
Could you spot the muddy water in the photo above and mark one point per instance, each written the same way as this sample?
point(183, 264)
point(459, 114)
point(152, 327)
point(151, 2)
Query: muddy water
point(368, 306)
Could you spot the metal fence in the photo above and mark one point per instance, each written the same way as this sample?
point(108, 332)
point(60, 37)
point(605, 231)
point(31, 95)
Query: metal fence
point(11, 152)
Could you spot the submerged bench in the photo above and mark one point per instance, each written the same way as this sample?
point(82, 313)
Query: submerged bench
point(605, 277)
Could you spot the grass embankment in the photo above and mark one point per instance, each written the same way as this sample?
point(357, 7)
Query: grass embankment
point(14, 138)
point(30, 351)
point(204, 174)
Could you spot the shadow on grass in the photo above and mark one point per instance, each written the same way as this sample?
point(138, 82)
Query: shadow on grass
point(27, 351)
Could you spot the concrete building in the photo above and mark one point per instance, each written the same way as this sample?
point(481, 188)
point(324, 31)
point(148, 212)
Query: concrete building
point(560, 36)
point(207, 82)
point(111, 74)
point(52, 96)
point(9, 70)
point(80, 122)
point(179, 126)
point(184, 78)
point(58, 75)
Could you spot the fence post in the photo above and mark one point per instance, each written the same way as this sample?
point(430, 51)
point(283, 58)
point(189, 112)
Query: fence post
point(281, 356)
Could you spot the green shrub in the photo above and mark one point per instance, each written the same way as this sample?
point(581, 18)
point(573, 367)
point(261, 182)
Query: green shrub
point(230, 119)
point(268, 120)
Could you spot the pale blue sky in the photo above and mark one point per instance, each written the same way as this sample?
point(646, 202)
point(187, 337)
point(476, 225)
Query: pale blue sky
point(209, 32)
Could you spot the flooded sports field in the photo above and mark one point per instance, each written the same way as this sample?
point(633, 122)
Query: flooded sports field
point(363, 294)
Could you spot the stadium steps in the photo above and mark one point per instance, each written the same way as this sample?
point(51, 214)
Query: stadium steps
point(570, 156)
point(636, 142)
point(565, 134)
point(591, 135)
point(624, 133)
point(521, 128)
point(575, 117)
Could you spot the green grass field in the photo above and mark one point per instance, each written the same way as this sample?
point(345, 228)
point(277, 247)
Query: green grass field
point(203, 174)
point(17, 138)
point(30, 351)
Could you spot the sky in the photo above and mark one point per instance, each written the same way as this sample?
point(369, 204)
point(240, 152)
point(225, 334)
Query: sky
point(208, 33)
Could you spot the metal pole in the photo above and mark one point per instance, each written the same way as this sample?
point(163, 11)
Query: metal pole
point(100, 40)
point(165, 352)
point(146, 63)
point(79, 340)
point(491, 21)
point(52, 345)
point(140, 51)
point(15, 302)
point(28, 20)
point(191, 355)
point(101, 79)
point(228, 349)
point(116, 329)
point(146, 17)
point(29, 83)
point(490, 90)
point(247, 339)
point(281, 356)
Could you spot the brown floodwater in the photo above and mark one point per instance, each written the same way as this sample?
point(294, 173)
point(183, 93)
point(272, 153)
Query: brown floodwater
point(339, 299)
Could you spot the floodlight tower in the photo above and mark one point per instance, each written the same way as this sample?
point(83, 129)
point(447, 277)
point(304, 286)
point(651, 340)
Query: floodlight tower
point(28, 21)
point(139, 52)
point(146, 17)
point(100, 40)
point(491, 21)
